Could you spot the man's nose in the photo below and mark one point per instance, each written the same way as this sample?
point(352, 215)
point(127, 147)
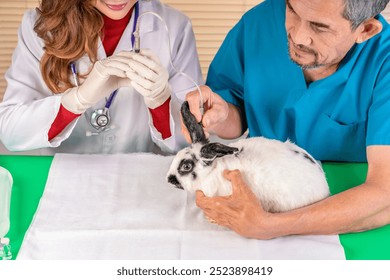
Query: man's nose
point(301, 35)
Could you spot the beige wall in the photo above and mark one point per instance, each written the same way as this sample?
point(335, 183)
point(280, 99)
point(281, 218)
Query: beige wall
point(211, 19)
point(11, 12)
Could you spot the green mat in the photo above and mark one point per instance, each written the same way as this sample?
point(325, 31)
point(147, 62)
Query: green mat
point(29, 174)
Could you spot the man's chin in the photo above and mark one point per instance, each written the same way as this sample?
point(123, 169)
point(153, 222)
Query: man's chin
point(306, 66)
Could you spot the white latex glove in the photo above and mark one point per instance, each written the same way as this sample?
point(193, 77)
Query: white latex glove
point(106, 76)
point(149, 78)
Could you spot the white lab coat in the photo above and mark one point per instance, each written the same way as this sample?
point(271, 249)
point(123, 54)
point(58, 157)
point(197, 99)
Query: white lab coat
point(29, 107)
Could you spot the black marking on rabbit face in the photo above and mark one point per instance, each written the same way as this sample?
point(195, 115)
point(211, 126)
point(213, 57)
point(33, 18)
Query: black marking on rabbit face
point(172, 179)
point(194, 158)
point(194, 128)
point(306, 156)
point(186, 166)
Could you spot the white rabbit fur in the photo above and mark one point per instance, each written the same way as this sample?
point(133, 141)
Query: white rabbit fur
point(282, 175)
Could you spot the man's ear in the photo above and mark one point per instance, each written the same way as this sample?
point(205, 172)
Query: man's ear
point(368, 29)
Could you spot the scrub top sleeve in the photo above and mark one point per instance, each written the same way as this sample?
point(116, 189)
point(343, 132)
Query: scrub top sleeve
point(378, 125)
point(226, 72)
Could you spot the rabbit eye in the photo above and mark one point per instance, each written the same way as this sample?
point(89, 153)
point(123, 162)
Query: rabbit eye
point(186, 166)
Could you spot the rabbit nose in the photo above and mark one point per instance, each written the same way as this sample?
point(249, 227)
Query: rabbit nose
point(172, 179)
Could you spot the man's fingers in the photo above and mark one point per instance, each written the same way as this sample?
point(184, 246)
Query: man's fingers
point(205, 202)
point(216, 203)
point(212, 221)
point(195, 98)
point(215, 113)
point(194, 104)
point(200, 198)
point(222, 216)
point(240, 188)
point(235, 177)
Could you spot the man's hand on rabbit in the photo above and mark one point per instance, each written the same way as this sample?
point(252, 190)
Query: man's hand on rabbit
point(241, 211)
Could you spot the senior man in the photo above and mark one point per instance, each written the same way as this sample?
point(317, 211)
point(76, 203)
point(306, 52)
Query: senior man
point(316, 72)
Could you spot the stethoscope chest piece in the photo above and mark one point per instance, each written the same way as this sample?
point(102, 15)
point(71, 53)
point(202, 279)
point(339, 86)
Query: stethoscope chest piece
point(100, 119)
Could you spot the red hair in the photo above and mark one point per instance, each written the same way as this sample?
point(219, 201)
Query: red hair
point(70, 29)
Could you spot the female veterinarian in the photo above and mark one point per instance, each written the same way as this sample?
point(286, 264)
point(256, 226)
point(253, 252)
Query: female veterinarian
point(76, 84)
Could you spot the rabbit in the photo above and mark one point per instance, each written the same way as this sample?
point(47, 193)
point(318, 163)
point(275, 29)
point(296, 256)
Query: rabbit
point(282, 175)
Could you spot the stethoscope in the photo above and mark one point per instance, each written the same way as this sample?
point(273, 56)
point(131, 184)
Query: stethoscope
point(100, 118)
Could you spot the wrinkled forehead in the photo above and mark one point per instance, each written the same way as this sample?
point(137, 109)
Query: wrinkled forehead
point(319, 11)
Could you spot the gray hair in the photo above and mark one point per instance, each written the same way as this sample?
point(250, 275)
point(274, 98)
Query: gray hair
point(357, 11)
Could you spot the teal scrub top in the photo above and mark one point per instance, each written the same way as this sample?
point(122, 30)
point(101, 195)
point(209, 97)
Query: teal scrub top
point(334, 119)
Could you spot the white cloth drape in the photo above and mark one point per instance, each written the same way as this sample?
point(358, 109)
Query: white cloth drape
point(121, 207)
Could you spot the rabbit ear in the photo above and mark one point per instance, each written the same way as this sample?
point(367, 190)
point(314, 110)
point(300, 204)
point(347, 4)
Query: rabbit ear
point(194, 128)
point(215, 150)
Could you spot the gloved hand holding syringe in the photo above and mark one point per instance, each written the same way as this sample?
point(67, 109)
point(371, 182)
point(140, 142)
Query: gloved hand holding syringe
point(137, 49)
point(140, 69)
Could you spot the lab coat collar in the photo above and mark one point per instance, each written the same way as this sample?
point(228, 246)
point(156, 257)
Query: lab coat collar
point(148, 24)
